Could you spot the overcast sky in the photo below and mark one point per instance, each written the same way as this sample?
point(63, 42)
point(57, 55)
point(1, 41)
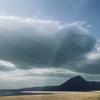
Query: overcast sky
point(46, 42)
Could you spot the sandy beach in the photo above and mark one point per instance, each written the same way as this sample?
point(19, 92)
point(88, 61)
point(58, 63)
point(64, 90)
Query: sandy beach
point(57, 96)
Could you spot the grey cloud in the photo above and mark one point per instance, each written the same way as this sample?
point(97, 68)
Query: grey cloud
point(27, 47)
point(86, 66)
point(90, 67)
point(50, 72)
point(6, 66)
point(26, 44)
point(3, 68)
point(74, 45)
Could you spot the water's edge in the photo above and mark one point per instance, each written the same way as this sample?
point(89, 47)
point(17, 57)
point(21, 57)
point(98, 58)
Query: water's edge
point(16, 93)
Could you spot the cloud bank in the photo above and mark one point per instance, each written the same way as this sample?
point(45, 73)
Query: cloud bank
point(45, 48)
point(32, 42)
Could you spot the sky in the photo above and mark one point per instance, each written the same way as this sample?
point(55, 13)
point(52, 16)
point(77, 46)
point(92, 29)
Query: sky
point(46, 42)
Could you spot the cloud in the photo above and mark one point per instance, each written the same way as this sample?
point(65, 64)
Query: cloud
point(4, 65)
point(34, 49)
point(75, 43)
point(89, 65)
point(31, 77)
point(29, 43)
point(50, 72)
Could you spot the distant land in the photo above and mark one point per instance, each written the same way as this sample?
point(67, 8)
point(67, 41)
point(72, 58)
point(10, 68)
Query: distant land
point(74, 84)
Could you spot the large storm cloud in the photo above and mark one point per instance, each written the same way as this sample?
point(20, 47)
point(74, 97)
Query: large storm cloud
point(29, 43)
point(43, 50)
